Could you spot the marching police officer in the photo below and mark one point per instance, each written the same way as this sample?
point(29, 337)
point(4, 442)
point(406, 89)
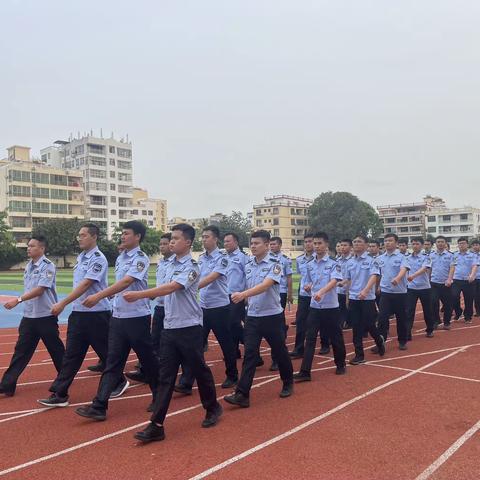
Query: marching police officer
point(393, 286)
point(323, 274)
point(403, 246)
point(237, 282)
point(418, 287)
point(130, 323)
point(342, 289)
point(86, 326)
point(361, 272)
point(304, 297)
point(37, 323)
point(462, 275)
point(265, 319)
point(441, 292)
point(182, 337)
point(476, 251)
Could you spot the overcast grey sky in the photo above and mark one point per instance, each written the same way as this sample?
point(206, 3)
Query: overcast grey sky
point(226, 101)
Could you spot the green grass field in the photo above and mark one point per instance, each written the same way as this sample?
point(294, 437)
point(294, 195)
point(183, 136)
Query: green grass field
point(13, 281)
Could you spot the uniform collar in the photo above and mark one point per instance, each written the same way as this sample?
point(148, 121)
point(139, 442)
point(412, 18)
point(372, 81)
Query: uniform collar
point(132, 252)
point(213, 253)
point(396, 252)
point(413, 254)
point(264, 259)
point(184, 259)
point(235, 252)
point(39, 261)
point(168, 259)
point(363, 255)
point(90, 252)
point(325, 258)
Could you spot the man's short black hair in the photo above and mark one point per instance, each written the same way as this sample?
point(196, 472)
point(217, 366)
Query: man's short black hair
point(376, 242)
point(475, 241)
point(362, 237)
point(347, 240)
point(418, 239)
point(167, 236)
point(391, 235)
point(138, 228)
point(233, 234)
point(41, 239)
point(308, 235)
point(462, 239)
point(92, 228)
point(212, 228)
point(322, 236)
point(276, 239)
point(187, 230)
point(441, 237)
point(263, 234)
point(403, 241)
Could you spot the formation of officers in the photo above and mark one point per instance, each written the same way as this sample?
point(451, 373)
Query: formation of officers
point(242, 299)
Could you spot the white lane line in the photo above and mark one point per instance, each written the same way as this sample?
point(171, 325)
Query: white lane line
point(435, 374)
point(106, 437)
point(449, 452)
point(314, 420)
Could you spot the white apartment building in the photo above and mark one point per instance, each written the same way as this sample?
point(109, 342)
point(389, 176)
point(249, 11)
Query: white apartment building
point(106, 165)
point(454, 223)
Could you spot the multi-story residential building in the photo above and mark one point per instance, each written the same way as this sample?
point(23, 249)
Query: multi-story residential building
point(152, 211)
point(284, 216)
point(407, 220)
point(32, 192)
point(453, 223)
point(106, 166)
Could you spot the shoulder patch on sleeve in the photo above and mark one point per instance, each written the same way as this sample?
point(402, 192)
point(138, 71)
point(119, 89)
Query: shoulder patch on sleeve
point(277, 269)
point(192, 275)
point(338, 268)
point(224, 262)
point(140, 266)
point(97, 267)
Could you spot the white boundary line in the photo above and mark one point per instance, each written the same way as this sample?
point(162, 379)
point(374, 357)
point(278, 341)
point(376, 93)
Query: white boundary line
point(314, 420)
point(449, 452)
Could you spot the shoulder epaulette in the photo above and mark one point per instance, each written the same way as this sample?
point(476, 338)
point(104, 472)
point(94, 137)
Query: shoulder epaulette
point(140, 253)
point(46, 260)
point(98, 254)
point(194, 262)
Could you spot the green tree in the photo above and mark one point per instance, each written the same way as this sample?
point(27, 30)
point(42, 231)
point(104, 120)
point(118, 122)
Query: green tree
point(9, 253)
point(343, 215)
point(61, 234)
point(236, 223)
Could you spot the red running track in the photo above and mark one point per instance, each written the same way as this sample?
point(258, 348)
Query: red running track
point(410, 415)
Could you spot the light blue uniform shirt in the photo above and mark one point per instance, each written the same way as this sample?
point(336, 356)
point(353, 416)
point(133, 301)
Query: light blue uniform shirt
point(319, 273)
point(160, 276)
point(358, 271)
point(267, 303)
point(301, 268)
point(440, 266)
point(342, 261)
point(216, 294)
point(40, 274)
point(181, 307)
point(415, 263)
point(463, 263)
point(478, 270)
point(390, 265)
point(133, 263)
point(91, 265)
point(286, 264)
point(236, 279)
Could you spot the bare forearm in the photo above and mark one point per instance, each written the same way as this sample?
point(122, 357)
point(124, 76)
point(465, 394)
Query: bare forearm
point(77, 292)
point(34, 293)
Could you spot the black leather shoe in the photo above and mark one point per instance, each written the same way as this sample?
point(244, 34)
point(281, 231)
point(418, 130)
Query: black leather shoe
point(402, 346)
point(136, 376)
point(91, 412)
point(287, 390)
point(356, 361)
point(179, 388)
point(229, 382)
point(429, 334)
point(153, 433)
point(375, 349)
point(211, 418)
point(274, 367)
point(340, 371)
point(301, 377)
point(98, 368)
point(324, 351)
point(7, 393)
point(238, 399)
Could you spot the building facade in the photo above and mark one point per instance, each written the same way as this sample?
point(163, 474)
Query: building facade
point(107, 170)
point(31, 193)
point(453, 223)
point(284, 216)
point(152, 211)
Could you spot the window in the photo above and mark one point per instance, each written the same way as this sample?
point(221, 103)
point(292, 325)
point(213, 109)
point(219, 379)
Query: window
point(97, 173)
point(112, 174)
point(99, 161)
point(37, 221)
point(446, 218)
point(464, 216)
point(447, 228)
point(40, 207)
point(276, 232)
point(19, 191)
point(41, 177)
point(58, 180)
point(112, 162)
point(44, 158)
point(124, 189)
point(464, 228)
point(432, 229)
point(144, 212)
point(125, 165)
point(125, 177)
point(259, 223)
point(57, 194)
point(150, 212)
point(390, 220)
point(18, 206)
point(97, 200)
point(275, 212)
point(95, 148)
point(125, 202)
point(415, 229)
point(78, 150)
point(258, 212)
point(18, 222)
point(113, 212)
point(292, 211)
point(275, 222)
point(101, 187)
point(403, 219)
point(432, 218)
point(38, 192)
point(293, 231)
point(135, 212)
point(111, 150)
point(113, 199)
point(59, 208)
point(124, 152)
point(112, 186)
point(19, 176)
point(403, 229)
